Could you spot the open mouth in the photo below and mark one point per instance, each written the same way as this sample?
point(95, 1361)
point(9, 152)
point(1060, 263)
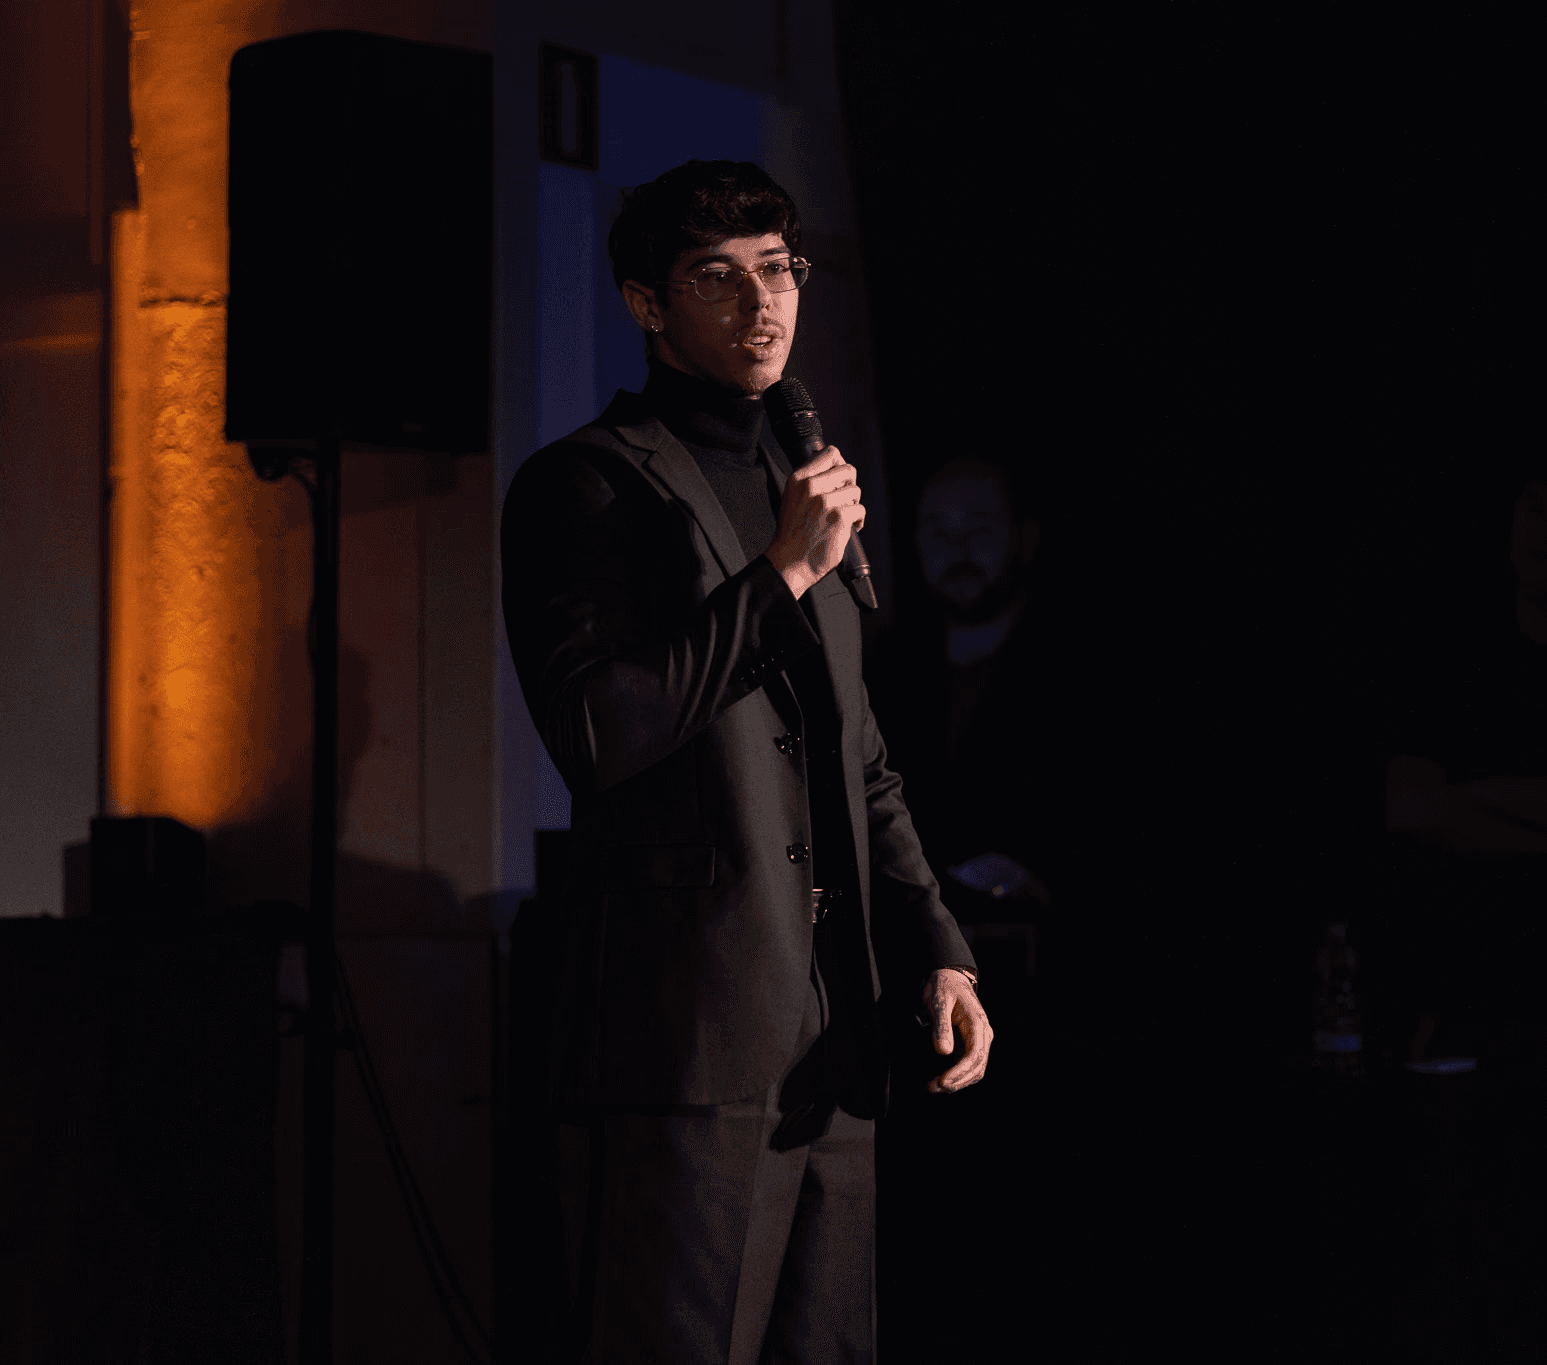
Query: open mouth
point(758, 341)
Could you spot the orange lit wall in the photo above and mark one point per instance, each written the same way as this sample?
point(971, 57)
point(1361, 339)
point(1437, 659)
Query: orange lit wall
point(209, 692)
point(193, 730)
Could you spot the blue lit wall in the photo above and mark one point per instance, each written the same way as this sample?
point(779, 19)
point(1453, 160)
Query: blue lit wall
point(652, 120)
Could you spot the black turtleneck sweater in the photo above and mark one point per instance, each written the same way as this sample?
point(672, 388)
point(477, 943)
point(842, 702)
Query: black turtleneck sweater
point(721, 430)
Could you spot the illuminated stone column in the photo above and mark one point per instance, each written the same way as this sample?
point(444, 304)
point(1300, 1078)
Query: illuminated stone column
point(200, 586)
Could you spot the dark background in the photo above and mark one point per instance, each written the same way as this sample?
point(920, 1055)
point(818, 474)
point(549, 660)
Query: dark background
point(1247, 296)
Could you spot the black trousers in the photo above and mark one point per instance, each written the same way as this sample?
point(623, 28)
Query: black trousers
point(732, 1234)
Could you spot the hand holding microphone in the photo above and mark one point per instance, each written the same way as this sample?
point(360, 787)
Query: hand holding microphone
point(821, 505)
point(821, 514)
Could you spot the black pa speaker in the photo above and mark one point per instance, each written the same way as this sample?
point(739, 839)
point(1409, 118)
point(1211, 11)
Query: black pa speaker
point(361, 217)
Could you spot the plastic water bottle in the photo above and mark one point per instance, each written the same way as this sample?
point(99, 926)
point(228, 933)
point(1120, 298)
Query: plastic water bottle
point(1337, 1024)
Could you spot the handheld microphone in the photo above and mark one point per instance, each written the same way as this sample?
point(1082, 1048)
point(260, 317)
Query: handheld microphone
point(792, 415)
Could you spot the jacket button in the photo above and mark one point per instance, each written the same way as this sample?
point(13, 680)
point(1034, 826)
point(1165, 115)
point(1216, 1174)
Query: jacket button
point(787, 744)
point(798, 853)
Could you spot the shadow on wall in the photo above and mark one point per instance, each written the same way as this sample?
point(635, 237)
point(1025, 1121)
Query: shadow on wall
point(266, 856)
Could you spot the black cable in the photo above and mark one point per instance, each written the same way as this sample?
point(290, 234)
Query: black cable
point(431, 1249)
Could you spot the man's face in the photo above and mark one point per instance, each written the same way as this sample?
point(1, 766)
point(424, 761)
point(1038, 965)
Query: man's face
point(968, 540)
point(739, 343)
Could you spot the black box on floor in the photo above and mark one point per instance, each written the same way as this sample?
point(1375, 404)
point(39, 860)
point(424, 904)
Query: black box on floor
point(146, 863)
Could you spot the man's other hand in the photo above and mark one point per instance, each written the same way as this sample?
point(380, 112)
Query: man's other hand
point(821, 505)
point(950, 1000)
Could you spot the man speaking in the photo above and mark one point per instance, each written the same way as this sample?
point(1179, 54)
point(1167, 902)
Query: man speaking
point(692, 663)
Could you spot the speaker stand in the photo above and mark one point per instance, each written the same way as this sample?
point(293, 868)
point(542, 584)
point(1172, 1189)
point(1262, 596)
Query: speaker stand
point(271, 461)
point(316, 1316)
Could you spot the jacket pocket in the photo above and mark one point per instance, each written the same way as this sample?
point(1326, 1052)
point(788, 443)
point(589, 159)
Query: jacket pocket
point(633, 865)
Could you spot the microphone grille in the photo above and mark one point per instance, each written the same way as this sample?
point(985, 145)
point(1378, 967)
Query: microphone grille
point(783, 400)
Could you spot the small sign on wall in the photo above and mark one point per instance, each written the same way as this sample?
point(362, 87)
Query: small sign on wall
point(567, 86)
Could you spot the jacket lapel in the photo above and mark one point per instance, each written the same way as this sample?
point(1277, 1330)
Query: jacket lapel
point(667, 460)
point(670, 463)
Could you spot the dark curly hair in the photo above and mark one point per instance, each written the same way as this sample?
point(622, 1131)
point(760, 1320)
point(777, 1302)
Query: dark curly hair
point(696, 204)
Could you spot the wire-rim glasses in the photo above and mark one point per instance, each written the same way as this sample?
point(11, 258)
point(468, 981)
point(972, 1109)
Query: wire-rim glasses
point(717, 283)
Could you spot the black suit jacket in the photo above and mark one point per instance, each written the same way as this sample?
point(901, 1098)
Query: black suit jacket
point(651, 656)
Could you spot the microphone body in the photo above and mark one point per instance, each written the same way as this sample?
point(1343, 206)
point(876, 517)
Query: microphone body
point(792, 415)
